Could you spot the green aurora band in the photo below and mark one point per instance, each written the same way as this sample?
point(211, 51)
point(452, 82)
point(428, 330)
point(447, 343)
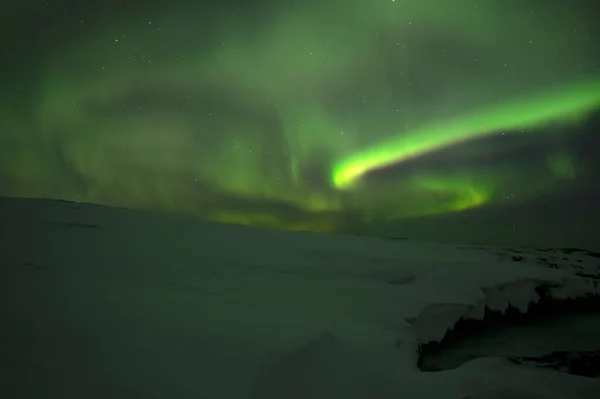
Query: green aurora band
point(306, 115)
point(565, 105)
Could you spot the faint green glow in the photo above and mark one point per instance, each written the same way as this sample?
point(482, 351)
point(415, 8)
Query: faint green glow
point(425, 194)
point(461, 193)
point(562, 166)
point(320, 223)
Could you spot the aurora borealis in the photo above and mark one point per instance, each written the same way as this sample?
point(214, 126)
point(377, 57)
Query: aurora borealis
point(318, 115)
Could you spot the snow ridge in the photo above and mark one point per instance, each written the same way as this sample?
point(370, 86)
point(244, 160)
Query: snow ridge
point(518, 301)
point(569, 279)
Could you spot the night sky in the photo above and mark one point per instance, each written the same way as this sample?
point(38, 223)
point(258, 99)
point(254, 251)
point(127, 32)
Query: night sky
point(451, 120)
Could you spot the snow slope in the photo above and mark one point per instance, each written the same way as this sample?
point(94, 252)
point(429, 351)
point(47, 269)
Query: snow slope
point(109, 302)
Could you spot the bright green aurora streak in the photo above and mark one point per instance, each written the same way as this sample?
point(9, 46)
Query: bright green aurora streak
point(566, 105)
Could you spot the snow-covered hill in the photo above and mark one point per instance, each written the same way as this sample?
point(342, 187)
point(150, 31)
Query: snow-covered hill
point(105, 302)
